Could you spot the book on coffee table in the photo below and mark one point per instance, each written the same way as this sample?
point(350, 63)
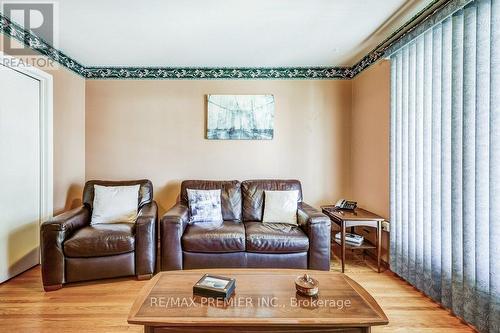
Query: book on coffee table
point(214, 286)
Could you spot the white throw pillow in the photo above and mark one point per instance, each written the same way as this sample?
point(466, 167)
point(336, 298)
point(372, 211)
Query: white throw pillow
point(115, 204)
point(204, 206)
point(280, 207)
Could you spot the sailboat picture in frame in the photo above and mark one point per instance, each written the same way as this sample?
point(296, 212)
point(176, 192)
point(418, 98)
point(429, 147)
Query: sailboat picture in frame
point(240, 117)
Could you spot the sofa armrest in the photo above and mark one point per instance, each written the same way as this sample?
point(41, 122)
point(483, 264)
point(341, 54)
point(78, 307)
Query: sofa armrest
point(317, 226)
point(172, 226)
point(53, 233)
point(307, 214)
point(145, 239)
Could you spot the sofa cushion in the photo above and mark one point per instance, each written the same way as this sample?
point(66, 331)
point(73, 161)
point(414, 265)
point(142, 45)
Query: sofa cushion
point(275, 238)
point(101, 240)
point(115, 204)
point(228, 236)
point(204, 206)
point(230, 195)
point(145, 190)
point(280, 207)
point(253, 195)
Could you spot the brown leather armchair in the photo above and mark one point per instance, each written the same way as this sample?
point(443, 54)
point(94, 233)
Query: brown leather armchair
point(73, 250)
point(243, 240)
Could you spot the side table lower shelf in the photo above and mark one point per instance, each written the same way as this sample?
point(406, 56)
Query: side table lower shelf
point(363, 246)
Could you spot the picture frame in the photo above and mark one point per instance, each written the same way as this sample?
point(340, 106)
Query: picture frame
point(240, 117)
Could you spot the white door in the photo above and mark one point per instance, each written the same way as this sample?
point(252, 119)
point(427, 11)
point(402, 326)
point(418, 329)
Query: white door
point(20, 172)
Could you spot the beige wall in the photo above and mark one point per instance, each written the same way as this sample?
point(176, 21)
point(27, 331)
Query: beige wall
point(370, 124)
point(156, 130)
point(68, 137)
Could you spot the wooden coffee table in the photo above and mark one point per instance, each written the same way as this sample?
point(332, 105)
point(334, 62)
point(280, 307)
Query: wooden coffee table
point(265, 301)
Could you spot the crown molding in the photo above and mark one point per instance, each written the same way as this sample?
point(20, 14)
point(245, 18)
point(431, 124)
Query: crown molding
point(434, 13)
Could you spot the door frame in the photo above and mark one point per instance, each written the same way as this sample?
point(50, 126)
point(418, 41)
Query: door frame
point(46, 130)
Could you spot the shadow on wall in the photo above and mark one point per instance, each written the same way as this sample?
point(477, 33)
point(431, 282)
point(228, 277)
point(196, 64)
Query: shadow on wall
point(22, 251)
point(73, 198)
point(168, 195)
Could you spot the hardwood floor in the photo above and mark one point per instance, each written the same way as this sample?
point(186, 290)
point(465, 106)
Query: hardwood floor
point(103, 306)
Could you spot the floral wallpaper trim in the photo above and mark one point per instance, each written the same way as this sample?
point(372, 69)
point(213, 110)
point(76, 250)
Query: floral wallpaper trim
point(197, 73)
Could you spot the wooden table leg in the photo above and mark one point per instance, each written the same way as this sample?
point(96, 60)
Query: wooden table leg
point(379, 244)
point(342, 241)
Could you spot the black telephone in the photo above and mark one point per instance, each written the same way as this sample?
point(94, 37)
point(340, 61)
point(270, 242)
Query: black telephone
point(346, 204)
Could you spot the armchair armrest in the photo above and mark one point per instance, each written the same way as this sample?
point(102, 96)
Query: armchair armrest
point(53, 233)
point(317, 226)
point(145, 240)
point(172, 226)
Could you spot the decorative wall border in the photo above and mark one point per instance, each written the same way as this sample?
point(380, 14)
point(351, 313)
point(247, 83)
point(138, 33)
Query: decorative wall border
point(200, 73)
point(434, 13)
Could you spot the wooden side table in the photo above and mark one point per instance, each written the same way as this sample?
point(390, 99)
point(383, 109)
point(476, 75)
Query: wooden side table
point(355, 218)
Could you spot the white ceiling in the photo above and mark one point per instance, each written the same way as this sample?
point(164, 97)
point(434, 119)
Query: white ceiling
point(227, 33)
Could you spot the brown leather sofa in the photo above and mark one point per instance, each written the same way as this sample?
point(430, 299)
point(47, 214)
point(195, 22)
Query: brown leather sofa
point(73, 250)
point(243, 240)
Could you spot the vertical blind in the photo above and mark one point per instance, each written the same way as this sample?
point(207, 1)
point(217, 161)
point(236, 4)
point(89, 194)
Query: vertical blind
point(445, 163)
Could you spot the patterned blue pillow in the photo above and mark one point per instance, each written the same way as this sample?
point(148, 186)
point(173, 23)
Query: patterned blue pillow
point(204, 205)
